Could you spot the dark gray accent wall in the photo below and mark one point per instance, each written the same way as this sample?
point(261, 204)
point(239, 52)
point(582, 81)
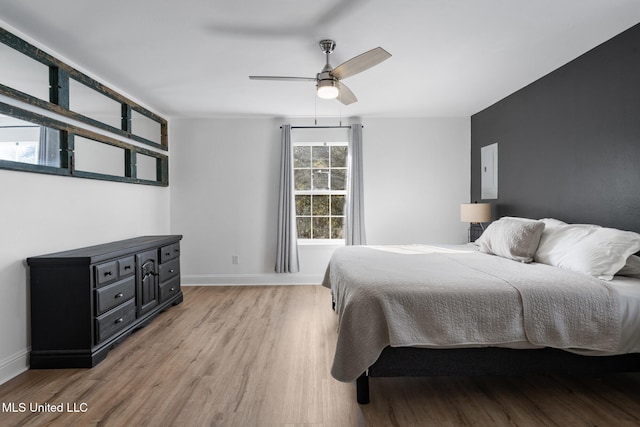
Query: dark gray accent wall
point(569, 143)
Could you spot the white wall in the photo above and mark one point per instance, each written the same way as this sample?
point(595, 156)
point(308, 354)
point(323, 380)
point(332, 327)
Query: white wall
point(42, 214)
point(224, 176)
point(416, 172)
point(224, 187)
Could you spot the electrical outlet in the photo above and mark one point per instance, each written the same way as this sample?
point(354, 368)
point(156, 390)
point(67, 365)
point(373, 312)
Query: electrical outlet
point(235, 259)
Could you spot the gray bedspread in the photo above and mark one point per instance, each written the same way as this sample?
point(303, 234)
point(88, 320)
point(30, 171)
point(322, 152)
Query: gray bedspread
point(427, 296)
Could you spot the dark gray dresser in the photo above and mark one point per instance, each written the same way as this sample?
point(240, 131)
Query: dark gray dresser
point(85, 301)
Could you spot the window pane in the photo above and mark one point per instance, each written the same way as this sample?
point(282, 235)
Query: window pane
point(320, 157)
point(303, 205)
point(321, 228)
point(302, 178)
point(320, 205)
point(301, 157)
point(320, 173)
point(320, 179)
point(337, 205)
point(338, 179)
point(339, 157)
point(336, 228)
point(304, 227)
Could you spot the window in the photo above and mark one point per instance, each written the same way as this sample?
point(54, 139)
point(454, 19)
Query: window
point(320, 175)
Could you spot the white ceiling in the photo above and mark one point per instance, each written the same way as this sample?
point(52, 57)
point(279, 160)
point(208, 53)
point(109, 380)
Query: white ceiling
point(193, 57)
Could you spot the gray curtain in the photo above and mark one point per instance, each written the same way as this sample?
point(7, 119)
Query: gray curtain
point(49, 147)
point(287, 248)
point(354, 207)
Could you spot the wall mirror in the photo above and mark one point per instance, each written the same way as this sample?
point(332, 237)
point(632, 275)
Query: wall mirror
point(145, 127)
point(31, 75)
point(23, 73)
point(41, 143)
point(29, 143)
point(35, 143)
point(95, 105)
point(146, 167)
point(96, 157)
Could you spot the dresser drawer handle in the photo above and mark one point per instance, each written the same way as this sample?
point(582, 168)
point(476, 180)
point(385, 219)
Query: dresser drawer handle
point(172, 289)
point(127, 267)
point(119, 295)
point(167, 253)
point(171, 271)
point(108, 273)
point(119, 320)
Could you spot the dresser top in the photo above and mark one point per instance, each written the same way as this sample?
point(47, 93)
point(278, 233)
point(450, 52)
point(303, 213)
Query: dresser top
point(102, 252)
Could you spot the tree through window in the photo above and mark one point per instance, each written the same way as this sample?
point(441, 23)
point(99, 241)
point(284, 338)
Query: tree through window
point(320, 174)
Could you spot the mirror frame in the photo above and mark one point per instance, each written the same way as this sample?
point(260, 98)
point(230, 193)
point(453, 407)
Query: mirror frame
point(67, 133)
point(59, 75)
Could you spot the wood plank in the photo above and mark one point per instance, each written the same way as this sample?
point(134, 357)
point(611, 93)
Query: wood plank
point(261, 356)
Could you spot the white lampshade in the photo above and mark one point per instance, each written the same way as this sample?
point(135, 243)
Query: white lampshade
point(475, 212)
point(328, 89)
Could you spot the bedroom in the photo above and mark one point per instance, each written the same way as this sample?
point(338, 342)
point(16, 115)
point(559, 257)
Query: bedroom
point(243, 226)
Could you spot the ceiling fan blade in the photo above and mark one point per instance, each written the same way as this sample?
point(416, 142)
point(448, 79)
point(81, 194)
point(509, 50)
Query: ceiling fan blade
point(359, 63)
point(278, 78)
point(345, 96)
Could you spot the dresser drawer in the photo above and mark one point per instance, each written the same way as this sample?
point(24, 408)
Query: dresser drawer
point(126, 266)
point(169, 269)
point(169, 289)
point(106, 273)
point(169, 252)
point(115, 320)
point(115, 294)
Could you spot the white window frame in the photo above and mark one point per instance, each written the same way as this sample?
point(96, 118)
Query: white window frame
point(312, 241)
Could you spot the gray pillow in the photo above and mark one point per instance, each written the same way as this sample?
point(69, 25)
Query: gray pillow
point(631, 267)
point(512, 238)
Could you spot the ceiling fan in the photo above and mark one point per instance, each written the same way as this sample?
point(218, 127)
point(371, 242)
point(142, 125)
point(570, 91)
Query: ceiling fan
point(328, 81)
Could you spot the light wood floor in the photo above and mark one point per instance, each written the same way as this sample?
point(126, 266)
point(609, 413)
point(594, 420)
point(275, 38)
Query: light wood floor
point(260, 356)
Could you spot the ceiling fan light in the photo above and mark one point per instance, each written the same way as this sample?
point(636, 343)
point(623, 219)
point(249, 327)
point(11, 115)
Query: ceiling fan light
point(328, 89)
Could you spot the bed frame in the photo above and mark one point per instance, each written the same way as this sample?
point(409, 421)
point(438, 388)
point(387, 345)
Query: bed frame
point(427, 362)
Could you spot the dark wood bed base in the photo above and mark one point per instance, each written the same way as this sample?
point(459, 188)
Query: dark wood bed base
point(423, 362)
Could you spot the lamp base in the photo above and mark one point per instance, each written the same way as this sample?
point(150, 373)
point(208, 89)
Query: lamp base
point(475, 231)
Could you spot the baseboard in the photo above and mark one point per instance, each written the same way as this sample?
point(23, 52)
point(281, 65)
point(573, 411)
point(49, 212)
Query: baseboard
point(14, 365)
point(252, 279)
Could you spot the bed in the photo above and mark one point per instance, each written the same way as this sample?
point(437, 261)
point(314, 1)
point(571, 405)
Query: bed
point(533, 296)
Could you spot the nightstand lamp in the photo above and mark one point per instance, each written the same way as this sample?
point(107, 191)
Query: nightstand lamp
point(475, 214)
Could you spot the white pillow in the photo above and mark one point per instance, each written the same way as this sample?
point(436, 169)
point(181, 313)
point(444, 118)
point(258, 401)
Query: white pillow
point(586, 248)
point(513, 238)
point(550, 223)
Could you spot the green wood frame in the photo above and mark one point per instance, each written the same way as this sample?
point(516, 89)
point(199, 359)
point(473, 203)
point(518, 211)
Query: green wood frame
point(67, 133)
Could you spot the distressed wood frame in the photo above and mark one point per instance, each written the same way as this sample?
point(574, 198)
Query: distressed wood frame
point(68, 131)
point(59, 75)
